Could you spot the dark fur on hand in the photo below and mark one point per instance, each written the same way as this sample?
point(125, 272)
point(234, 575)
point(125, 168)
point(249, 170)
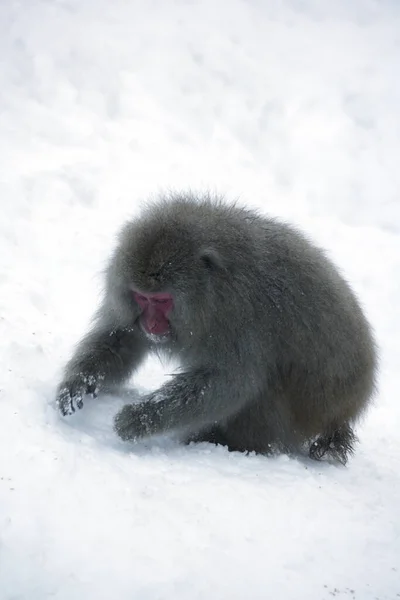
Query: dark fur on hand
point(274, 346)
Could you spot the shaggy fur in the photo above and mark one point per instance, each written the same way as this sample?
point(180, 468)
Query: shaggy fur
point(275, 349)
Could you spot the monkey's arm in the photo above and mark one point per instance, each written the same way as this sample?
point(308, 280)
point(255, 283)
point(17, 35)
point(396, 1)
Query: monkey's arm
point(105, 357)
point(189, 401)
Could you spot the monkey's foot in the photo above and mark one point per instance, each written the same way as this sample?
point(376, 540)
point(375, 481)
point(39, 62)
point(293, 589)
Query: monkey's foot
point(338, 445)
point(134, 422)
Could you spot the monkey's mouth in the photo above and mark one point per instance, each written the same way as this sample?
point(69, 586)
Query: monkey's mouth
point(155, 311)
point(158, 335)
point(156, 326)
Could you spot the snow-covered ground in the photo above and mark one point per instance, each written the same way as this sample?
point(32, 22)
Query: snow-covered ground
point(290, 105)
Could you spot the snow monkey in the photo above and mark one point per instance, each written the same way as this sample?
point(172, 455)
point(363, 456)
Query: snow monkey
point(275, 351)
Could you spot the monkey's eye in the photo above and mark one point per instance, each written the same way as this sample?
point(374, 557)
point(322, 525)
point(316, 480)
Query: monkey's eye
point(161, 300)
point(141, 300)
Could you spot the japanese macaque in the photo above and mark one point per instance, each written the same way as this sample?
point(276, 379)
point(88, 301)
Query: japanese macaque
point(275, 351)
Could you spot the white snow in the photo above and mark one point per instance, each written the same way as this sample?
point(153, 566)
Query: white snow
point(290, 105)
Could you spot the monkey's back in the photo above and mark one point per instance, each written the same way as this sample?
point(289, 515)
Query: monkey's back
point(325, 352)
point(288, 313)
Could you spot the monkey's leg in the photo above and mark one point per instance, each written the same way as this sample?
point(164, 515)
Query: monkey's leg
point(262, 426)
point(337, 444)
point(191, 401)
point(105, 357)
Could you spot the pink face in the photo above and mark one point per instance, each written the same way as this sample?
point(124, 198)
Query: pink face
point(155, 311)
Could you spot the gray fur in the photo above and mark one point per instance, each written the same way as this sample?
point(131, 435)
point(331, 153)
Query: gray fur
point(274, 346)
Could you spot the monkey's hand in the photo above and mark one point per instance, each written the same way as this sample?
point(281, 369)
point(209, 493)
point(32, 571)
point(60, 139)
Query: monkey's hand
point(72, 391)
point(135, 421)
point(185, 402)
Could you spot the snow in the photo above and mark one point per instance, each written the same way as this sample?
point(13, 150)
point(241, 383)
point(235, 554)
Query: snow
point(292, 106)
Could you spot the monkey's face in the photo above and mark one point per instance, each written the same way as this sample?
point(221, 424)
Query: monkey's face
point(169, 276)
point(156, 308)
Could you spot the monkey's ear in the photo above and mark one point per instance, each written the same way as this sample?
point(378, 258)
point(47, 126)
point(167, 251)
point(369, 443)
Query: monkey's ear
point(211, 259)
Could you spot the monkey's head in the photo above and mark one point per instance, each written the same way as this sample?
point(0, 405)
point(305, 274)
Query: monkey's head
point(169, 269)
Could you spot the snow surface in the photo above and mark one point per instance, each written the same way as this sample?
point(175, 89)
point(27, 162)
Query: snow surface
point(293, 107)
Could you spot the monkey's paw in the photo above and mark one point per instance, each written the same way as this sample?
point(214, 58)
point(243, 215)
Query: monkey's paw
point(71, 393)
point(134, 421)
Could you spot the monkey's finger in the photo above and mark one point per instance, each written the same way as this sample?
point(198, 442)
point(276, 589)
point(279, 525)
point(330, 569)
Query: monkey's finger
point(67, 401)
point(76, 400)
point(127, 423)
point(123, 423)
point(64, 402)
